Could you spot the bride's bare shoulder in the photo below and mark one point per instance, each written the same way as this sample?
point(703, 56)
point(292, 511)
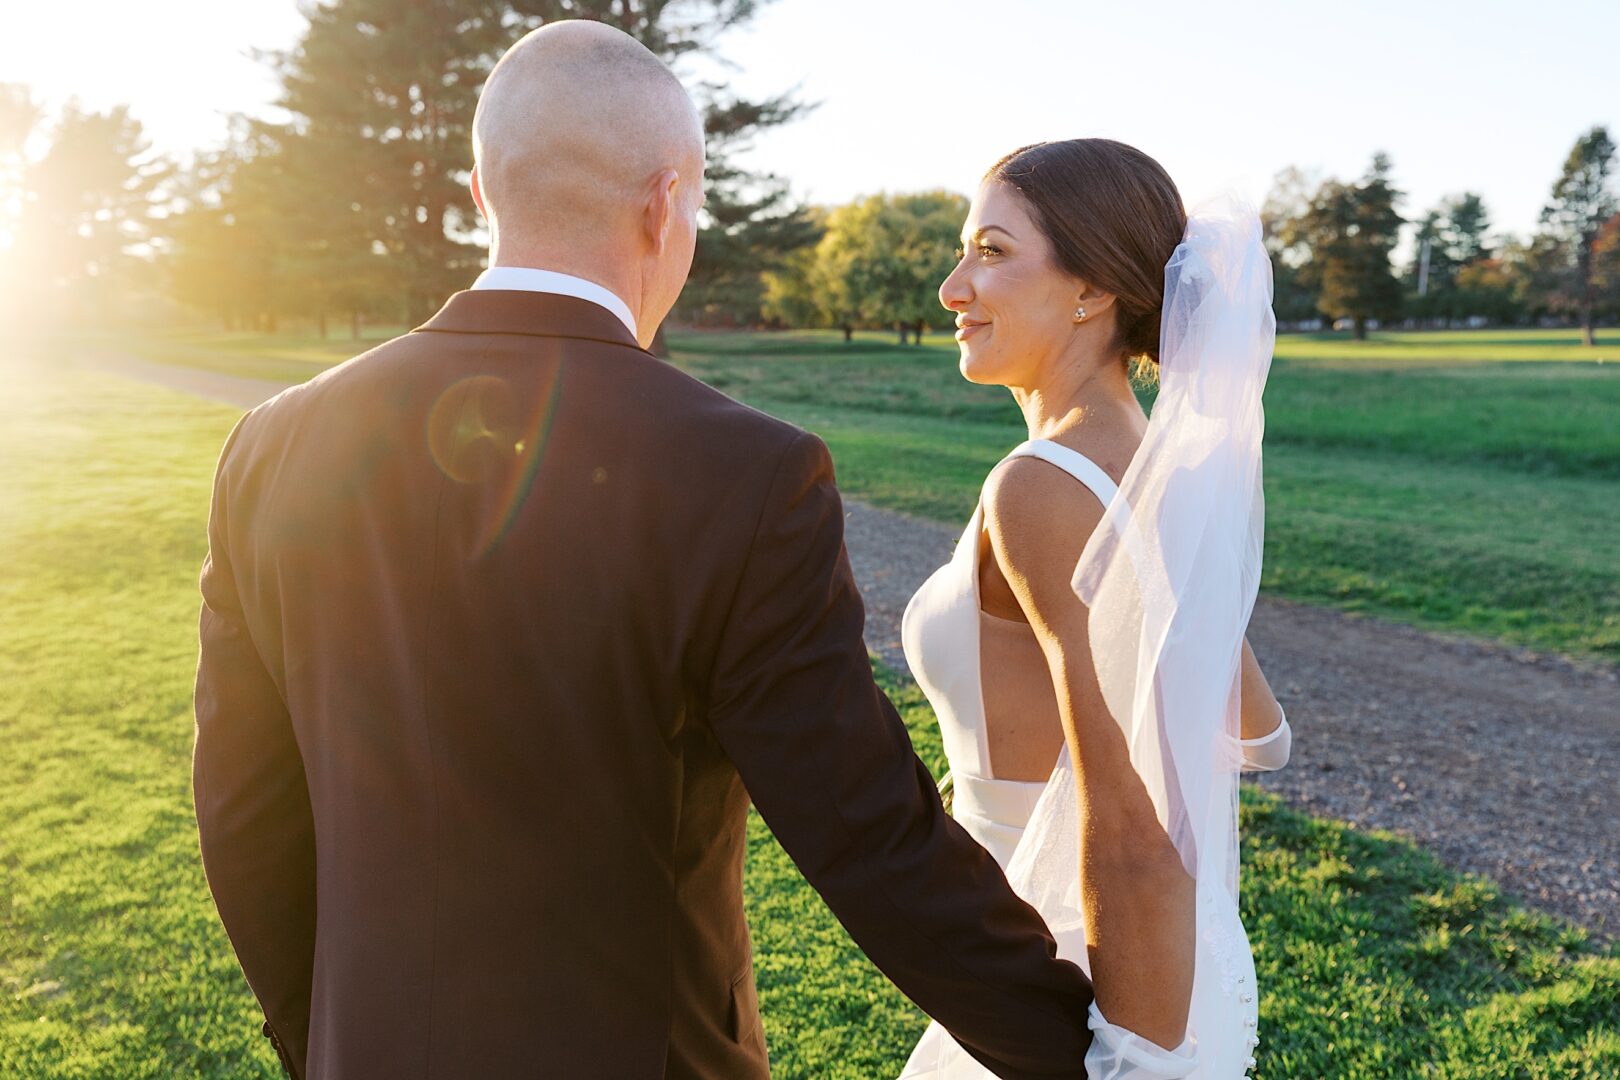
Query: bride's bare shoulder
point(1038, 518)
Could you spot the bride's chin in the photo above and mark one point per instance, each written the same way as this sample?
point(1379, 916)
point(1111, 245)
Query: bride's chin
point(974, 368)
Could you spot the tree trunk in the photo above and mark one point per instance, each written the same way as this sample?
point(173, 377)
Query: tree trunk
point(849, 333)
point(918, 332)
point(1361, 329)
point(904, 334)
point(1588, 336)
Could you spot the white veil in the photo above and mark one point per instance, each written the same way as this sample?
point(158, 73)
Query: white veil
point(1170, 577)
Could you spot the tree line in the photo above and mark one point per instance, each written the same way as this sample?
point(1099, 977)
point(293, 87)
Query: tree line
point(355, 208)
point(880, 259)
point(1332, 244)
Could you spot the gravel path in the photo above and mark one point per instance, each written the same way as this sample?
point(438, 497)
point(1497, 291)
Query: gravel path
point(213, 385)
point(1500, 761)
point(1497, 760)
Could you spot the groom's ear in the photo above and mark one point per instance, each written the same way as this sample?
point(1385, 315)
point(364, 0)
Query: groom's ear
point(478, 193)
point(660, 210)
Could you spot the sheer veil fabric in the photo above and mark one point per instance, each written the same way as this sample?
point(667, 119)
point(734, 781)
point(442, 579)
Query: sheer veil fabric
point(1170, 578)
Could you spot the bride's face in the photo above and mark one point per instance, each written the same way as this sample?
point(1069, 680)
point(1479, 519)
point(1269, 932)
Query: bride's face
point(1014, 306)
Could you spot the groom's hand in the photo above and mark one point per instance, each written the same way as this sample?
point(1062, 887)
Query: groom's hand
point(830, 766)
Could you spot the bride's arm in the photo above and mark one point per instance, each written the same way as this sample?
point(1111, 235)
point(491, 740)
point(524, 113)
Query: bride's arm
point(1138, 899)
point(1260, 710)
point(1265, 738)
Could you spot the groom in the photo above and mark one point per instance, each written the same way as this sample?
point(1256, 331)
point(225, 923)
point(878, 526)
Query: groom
point(505, 622)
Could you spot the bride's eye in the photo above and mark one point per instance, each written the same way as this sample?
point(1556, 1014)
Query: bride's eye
point(989, 249)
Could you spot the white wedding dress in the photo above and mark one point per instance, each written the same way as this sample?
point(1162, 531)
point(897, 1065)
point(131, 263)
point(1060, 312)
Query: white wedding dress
point(940, 634)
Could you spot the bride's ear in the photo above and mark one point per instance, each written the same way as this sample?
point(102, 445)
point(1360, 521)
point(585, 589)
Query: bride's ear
point(1091, 300)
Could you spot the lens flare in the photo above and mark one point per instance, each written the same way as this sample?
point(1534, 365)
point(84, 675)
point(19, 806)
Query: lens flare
point(481, 432)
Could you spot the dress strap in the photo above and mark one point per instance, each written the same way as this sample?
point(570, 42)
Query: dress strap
point(1074, 463)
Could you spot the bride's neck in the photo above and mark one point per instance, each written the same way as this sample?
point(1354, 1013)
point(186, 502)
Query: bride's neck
point(1073, 394)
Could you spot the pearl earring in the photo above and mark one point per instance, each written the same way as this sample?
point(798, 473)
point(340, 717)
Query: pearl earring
point(1080, 314)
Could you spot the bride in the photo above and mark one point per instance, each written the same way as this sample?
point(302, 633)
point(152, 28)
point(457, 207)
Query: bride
point(1093, 614)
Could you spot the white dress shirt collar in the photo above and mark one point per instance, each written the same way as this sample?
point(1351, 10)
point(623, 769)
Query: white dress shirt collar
point(528, 279)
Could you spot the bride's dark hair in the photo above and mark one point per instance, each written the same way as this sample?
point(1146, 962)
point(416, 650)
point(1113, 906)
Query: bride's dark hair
point(1113, 217)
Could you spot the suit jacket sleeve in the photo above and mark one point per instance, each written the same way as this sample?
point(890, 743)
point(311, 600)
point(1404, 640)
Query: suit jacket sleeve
point(253, 811)
point(827, 761)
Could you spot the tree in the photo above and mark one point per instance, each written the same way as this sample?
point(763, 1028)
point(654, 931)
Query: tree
point(1491, 287)
point(1447, 239)
point(19, 116)
point(382, 93)
point(252, 243)
point(795, 290)
point(1467, 223)
point(1282, 218)
point(1350, 230)
point(1582, 203)
point(1606, 265)
point(229, 241)
point(883, 258)
point(87, 201)
point(750, 223)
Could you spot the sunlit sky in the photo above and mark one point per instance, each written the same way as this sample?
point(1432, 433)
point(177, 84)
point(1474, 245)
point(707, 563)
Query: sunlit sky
point(1486, 96)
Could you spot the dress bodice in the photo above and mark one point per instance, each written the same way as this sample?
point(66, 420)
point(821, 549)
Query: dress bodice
point(940, 633)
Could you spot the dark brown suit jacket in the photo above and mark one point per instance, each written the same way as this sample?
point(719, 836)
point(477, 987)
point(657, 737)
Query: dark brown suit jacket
point(504, 623)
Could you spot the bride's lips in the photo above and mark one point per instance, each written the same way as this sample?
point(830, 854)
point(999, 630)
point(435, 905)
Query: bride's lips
point(967, 329)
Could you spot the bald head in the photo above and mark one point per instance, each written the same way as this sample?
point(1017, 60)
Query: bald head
point(574, 126)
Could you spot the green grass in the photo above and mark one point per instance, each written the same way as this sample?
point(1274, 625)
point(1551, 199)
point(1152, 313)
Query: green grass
point(1475, 497)
point(1451, 346)
point(1374, 961)
point(1459, 481)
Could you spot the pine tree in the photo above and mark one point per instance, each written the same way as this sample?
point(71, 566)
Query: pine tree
point(751, 224)
point(229, 240)
point(1467, 225)
point(382, 95)
point(88, 201)
point(1582, 202)
point(1454, 235)
point(1350, 230)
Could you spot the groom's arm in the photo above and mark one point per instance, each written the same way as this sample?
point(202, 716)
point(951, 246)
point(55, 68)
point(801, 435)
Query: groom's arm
point(828, 762)
point(253, 812)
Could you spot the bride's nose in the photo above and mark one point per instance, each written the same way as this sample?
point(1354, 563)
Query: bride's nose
point(954, 292)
